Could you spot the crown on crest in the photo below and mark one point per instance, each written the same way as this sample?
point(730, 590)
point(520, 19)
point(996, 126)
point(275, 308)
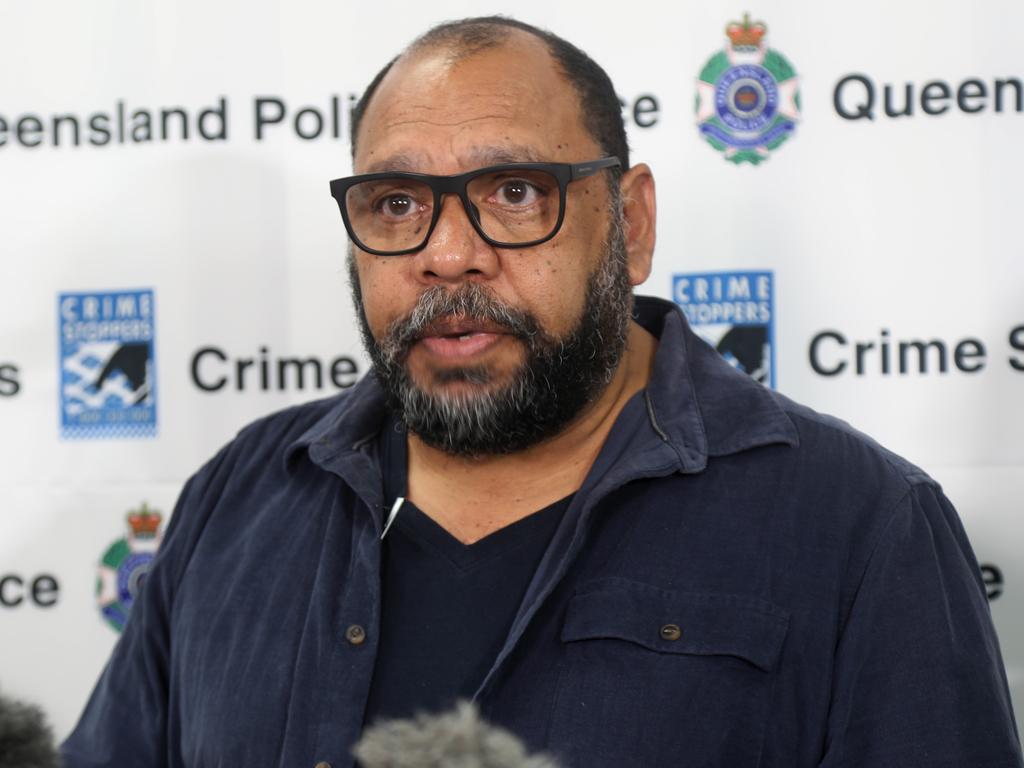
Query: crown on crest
point(144, 522)
point(746, 34)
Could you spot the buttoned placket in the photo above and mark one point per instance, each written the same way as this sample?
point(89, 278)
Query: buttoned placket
point(357, 632)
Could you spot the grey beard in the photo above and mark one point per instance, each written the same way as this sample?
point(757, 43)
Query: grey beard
point(559, 377)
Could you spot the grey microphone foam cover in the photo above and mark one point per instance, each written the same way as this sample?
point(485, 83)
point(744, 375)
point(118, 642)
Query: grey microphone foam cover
point(26, 740)
point(456, 739)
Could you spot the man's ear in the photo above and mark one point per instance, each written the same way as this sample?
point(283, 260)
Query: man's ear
point(640, 216)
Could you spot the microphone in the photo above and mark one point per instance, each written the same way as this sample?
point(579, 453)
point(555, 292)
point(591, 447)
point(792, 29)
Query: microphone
point(26, 740)
point(455, 739)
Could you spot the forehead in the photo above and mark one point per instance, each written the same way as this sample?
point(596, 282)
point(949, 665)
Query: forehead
point(438, 113)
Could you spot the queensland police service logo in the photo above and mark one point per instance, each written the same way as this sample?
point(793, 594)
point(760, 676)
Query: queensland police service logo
point(125, 564)
point(747, 98)
point(735, 313)
point(107, 367)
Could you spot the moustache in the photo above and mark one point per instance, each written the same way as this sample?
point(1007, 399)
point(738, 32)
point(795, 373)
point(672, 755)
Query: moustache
point(472, 305)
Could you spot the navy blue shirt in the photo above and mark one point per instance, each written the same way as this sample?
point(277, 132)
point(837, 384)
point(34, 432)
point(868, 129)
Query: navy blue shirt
point(738, 582)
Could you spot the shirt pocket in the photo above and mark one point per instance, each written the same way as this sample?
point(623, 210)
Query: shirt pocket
point(658, 677)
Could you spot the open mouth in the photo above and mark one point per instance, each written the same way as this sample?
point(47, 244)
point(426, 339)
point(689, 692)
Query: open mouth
point(463, 336)
point(459, 338)
point(459, 328)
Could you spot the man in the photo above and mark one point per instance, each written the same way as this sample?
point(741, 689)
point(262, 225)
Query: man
point(548, 498)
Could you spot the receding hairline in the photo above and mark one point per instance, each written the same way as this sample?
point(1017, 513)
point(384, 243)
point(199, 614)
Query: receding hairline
point(457, 48)
point(463, 42)
point(467, 40)
point(598, 105)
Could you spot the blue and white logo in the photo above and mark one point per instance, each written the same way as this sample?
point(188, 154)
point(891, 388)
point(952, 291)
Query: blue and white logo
point(735, 313)
point(107, 364)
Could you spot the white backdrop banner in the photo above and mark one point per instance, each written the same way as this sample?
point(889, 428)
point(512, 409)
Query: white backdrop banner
point(840, 213)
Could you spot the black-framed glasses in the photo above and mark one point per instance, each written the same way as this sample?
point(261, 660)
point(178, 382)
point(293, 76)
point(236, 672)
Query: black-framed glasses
point(515, 205)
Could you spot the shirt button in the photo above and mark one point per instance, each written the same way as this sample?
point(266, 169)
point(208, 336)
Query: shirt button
point(355, 635)
point(671, 632)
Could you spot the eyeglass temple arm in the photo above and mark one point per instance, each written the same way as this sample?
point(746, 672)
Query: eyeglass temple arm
point(582, 170)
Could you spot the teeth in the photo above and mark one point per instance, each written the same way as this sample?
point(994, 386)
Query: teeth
point(460, 336)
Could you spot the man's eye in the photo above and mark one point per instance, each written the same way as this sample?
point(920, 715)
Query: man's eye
point(396, 206)
point(517, 192)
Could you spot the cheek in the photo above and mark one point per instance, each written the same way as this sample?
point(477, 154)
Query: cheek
point(381, 287)
point(572, 257)
point(553, 287)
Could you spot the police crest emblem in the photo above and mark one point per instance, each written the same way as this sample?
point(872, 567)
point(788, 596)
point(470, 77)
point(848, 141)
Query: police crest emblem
point(125, 564)
point(748, 101)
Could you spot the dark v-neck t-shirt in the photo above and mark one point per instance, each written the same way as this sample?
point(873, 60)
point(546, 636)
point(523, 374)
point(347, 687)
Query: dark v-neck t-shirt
point(447, 606)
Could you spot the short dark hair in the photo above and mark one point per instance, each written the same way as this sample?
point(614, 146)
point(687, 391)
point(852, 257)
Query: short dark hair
point(599, 104)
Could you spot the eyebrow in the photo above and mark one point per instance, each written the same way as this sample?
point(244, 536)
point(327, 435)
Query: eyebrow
point(514, 153)
point(481, 157)
point(402, 163)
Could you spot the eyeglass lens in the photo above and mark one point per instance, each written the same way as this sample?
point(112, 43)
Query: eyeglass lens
point(510, 207)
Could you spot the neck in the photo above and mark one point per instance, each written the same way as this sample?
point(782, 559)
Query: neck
point(473, 497)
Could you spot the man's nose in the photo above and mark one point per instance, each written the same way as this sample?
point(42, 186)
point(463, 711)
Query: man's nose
point(455, 251)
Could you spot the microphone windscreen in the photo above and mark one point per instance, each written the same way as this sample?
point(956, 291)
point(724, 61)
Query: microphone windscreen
point(26, 740)
point(456, 739)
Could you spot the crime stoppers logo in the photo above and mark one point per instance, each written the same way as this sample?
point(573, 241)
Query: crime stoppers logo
point(125, 564)
point(747, 98)
point(107, 367)
point(735, 313)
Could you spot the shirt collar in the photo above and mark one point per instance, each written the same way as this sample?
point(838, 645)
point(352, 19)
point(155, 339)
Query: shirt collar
point(354, 420)
point(700, 404)
point(696, 402)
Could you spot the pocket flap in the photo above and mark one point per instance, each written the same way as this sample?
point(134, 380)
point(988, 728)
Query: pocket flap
point(707, 624)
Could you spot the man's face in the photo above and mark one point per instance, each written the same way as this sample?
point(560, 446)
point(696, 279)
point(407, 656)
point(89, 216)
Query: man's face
point(483, 349)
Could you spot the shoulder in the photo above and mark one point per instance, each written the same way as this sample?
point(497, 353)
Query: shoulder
point(831, 443)
point(256, 459)
point(838, 439)
point(267, 440)
point(805, 476)
point(232, 492)
point(278, 430)
point(844, 488)
point(347, 418)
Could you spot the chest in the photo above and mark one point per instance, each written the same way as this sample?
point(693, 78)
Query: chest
point(641, 633)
